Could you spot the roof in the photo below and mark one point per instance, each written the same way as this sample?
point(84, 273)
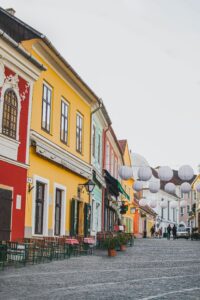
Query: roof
point(20, 31)
point(122, 144)
point(21, 50)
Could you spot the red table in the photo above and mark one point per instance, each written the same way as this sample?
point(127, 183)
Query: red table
point(72, 241)
point(89, 241)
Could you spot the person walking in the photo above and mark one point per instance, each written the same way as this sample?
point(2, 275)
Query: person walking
point(174, 230)
point(160, 232)
point(169, 229)
point(152, 231)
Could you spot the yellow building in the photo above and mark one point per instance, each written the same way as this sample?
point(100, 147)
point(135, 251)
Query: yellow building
point(128, 218)
point(57, 202)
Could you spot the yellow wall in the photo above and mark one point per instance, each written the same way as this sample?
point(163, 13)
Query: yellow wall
point(54, 174)
point(128, 186)
point(76, 104)
point(42, 167)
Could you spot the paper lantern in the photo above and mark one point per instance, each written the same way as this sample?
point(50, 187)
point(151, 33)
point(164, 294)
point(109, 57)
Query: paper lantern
point(165, 173)
point(183, 203)
point(153, 203)
point(163, 203)
point(154, 186)
point(170, 188)
point(185, 187)
point(137, 186)
point(173, 204)
point(198, 187)
point(144, 173)
point(143, 202)
point(125, 172)
point(185, 173)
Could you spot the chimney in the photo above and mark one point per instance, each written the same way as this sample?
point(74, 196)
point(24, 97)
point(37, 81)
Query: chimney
point(11, 11)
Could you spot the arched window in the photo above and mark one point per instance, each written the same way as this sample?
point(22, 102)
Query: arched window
point(9, 121)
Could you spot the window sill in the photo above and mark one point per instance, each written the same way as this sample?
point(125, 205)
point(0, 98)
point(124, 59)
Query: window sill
point(8, 147)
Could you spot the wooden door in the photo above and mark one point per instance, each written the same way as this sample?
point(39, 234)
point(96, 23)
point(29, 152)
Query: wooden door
point(5, 214)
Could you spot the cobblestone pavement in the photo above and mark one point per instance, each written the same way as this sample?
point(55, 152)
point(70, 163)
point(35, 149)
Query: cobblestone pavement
point(152, 269)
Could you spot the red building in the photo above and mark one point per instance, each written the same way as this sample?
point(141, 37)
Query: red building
point(18, 71)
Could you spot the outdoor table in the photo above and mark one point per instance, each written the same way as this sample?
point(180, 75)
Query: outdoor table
point(89, 241)
point(72, 241)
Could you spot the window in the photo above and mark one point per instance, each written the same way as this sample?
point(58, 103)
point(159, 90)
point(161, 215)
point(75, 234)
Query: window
point(93, 140)
point(79, 133)
point(188, 208)
point(112, 163)
point(99, 148)
point(162, 212)
point(46, 108)
point(182, 211)
point(58, 209)
point(168, 210)
point(9, 121)
point(194, 195)
point(64, 122)
point(107, 156)
point(174, 214)
point(116, 168)
point(39, 209)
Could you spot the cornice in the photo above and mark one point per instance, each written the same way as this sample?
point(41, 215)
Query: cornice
point(54, 153)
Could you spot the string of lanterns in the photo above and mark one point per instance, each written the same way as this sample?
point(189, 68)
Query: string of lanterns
point(165, 174)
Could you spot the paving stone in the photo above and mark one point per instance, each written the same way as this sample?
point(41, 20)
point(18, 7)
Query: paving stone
point(151, 269)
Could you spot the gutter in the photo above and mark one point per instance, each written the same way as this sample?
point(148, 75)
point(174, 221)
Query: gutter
point(21, 50)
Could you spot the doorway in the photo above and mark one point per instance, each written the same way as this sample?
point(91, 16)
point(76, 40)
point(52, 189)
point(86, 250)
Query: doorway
point(5, 214)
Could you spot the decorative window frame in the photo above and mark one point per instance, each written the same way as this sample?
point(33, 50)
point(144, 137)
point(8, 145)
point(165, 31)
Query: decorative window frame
point(11, 83)
point(46, 205)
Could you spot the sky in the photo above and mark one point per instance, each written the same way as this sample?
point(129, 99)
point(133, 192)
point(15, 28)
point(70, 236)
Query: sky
point(142, 57)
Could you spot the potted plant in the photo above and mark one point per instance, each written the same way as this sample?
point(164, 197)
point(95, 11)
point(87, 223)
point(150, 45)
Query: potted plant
point(111, 243)
point(122, 241)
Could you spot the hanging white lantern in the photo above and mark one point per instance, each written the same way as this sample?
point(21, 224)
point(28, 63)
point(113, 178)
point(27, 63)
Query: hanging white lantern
point(144, 173)
point(125, 172)
point(170, 188)
point(153, 203)
point(185, 187)
point(165, 173)
point(154, 186)
point(163, 203)
point(198, 187)
point(185, 173)
point(183, 203)
point(138, 186)
point(173, 204)
point(143, 202)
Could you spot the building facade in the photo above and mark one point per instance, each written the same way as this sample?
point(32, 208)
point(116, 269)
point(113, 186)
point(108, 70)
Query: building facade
point(18, 72)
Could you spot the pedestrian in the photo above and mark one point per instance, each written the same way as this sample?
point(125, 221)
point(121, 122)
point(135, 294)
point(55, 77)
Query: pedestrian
point(160, 232)
point(169, 229)
point(152, 231)
point(174, 230)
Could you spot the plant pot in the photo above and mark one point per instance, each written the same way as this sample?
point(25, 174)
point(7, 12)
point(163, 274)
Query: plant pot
point(122, 247)
point(112, 252)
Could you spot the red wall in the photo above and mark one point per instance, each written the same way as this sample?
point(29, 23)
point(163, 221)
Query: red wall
point(15, 177)
point(24, 92)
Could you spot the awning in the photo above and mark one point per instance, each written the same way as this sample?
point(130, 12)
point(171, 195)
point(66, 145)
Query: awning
point(114, 185)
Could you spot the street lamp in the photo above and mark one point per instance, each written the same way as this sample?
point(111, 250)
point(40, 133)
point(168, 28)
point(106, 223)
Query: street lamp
point(89, 186)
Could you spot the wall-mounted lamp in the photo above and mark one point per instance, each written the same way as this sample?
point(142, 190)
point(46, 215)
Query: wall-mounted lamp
point(30, 187)
point(89, 186)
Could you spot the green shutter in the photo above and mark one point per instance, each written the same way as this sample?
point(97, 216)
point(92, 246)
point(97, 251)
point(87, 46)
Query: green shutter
point(74, 216)
point(87, 218)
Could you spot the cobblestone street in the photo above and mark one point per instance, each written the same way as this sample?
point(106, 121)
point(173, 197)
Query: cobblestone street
point(152, 269)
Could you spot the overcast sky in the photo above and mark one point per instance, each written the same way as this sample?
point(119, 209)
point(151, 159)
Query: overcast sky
point(142, 57)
